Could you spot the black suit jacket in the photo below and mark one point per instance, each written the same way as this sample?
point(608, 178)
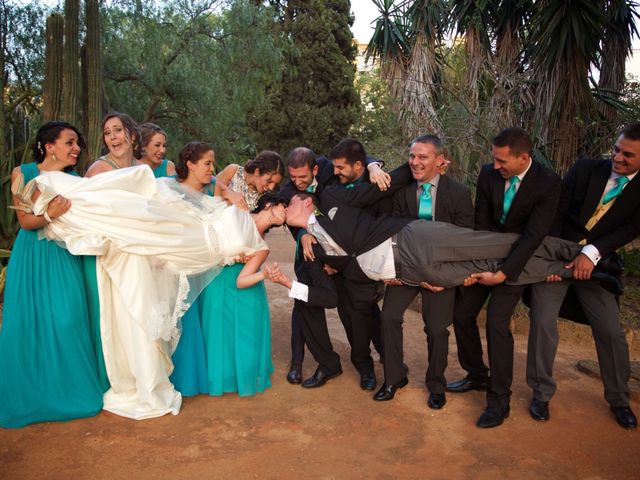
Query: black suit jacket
point(453, 203)
point(322, 289)
point(532, 212)
point(582, 190)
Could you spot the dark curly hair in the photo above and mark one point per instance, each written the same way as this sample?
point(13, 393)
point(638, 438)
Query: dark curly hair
point(268, 200)
point(191, 152)
point(49, 133)
point(132, 129)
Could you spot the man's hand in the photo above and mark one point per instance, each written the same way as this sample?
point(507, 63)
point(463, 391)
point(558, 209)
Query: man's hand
point(306, 242)
point(469, 281)
point(490, 279)
point(393, 282)
point(431, 288)
point(329, 269)
point(378, 176)
point(553, 278)
point(272, 272)
point(582, 267)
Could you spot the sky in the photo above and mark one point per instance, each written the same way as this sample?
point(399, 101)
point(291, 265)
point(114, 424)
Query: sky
point(365, 12)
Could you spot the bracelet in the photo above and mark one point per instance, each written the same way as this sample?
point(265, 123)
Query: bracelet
point(47, 217)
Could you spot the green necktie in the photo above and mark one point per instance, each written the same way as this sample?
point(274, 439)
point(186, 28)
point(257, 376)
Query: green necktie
point(425, 209)
point(350, 185)
point(508, 198)
point(311, 188)
point(615, 191)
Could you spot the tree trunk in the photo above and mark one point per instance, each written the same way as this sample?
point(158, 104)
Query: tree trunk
point(93, 83)
point(52, 89)
point(71, 62)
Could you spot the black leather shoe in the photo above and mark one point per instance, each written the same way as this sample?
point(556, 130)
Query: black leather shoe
point(319, 378)
point(539, 410)
point(492, 417)
point(295, 374)
point(368, 381)
point(387, 392)
point(466, 384)
point(625, 417)
point(436, 400)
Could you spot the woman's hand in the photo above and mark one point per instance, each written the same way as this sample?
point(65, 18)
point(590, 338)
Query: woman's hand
point(58, 206)
point(272, 272)
point(235, 198)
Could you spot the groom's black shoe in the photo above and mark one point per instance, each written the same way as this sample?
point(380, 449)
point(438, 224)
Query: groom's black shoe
point(436, 401)
point(467, 384)
point(294, 375)
point(492, 417)
point(368, 381)
point(319, 378)
point(387, 392)
point(625, 417)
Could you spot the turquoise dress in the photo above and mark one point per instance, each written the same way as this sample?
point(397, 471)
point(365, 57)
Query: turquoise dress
point(161, 170)
point(189, 360)
point(236, 328)
point(47, 364)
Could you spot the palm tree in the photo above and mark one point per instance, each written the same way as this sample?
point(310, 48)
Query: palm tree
point(616, 46)
point(564, 43)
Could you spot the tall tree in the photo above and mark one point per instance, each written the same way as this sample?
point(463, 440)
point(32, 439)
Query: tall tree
point(316, 102)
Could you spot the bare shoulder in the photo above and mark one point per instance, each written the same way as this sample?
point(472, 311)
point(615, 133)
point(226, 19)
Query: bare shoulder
point(97, 167)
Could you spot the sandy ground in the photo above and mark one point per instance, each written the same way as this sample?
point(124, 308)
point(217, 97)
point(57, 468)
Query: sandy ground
point(338, 431)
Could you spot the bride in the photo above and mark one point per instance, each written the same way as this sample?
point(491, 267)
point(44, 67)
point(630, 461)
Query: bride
point(160, 243)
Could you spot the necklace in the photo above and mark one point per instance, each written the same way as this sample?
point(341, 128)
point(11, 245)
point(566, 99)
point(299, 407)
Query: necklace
point(114, 164)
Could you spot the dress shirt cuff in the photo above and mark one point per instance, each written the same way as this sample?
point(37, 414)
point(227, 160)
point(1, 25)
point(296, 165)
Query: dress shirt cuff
point(299, 291)
point(592, 253)
point(379, 164)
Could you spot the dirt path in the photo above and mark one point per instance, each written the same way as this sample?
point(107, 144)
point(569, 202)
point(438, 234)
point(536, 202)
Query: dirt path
point(338, 431)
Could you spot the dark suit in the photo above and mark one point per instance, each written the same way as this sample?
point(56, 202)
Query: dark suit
point(531, 214)
point(582, 191)
point(452, 205)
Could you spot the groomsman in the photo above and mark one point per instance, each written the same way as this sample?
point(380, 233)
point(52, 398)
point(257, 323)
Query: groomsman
point(513, 195)
point(308, 173)
point(600, 208)
point(432, 197)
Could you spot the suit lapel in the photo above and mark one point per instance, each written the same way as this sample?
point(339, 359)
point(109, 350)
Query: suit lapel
point(597, 184)
point(442, 197)
point(411, 197)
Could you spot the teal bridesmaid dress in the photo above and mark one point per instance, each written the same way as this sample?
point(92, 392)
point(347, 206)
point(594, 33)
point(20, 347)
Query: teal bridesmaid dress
point(161, 170)
point(47, 364)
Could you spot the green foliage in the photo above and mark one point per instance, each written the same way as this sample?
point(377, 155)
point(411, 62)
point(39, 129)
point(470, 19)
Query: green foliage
point(631, 259)
point(197, 70)
point(316, 103)
point(377, 125)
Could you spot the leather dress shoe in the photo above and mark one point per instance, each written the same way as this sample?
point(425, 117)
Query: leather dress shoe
point(625, 417)
point(466, 384)
point(436, 400)
point(294, 375)
point(539, 410)
point(387, 392)
point(368, 381)
point(319, 378)
point(492, 417)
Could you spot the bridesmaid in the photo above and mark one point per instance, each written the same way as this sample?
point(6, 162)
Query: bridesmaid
point(194, 170)
point(235, 314)
point(121, 137)
point(47, 363)
point(154, 146)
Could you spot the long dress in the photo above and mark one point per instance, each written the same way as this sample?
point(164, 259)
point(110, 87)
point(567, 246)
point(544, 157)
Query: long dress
point(190, 360)
point(236, 325)
point(47, 365)
point(151, 237)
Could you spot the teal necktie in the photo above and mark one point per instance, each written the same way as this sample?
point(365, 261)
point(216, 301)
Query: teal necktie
point(425, 209)
point(615, 191)
point(350, 185)
point(311, 188)
point(508, 197)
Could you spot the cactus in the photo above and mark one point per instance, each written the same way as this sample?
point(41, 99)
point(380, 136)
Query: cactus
point(71, 62)
point(93, 91)
point(52, 90)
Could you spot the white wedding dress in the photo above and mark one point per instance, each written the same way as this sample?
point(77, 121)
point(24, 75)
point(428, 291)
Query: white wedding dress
point(157, 245)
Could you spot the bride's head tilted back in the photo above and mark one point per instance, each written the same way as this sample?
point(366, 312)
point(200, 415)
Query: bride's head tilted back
point(270, 212)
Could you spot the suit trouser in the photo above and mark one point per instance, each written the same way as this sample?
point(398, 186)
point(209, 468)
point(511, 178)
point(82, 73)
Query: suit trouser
point(316, 334)
point(297, 338)
point(502, 302)
point(355, 300)
point(444, 254)
point(437, 314)
point(601, 308)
